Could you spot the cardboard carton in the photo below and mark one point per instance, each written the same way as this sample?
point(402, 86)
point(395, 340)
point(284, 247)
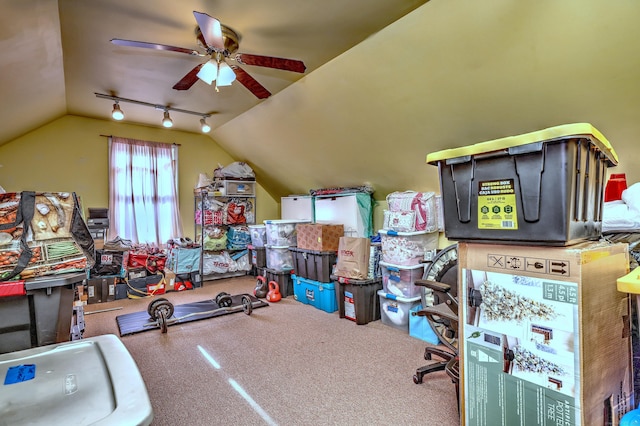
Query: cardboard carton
point(319, 236)
point(545, 335)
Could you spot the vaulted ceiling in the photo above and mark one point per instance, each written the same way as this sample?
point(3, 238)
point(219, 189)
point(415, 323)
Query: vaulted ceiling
point(56, 54)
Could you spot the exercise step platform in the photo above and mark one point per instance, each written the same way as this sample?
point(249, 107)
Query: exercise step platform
point(161, 313)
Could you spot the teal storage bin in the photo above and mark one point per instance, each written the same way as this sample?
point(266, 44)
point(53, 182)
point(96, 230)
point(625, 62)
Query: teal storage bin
point(419, 327)
point(315, 293)
point(632, 418)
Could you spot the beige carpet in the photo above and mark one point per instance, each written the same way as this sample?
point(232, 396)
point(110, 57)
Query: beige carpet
point(285, 364)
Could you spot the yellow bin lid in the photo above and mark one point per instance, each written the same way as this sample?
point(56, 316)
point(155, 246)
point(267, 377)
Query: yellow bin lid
point(565, 131)
point(630, 283)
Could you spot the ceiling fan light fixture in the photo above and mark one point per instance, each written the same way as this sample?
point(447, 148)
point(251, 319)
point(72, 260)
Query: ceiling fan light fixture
point(208, 72)
point(167, 121)
point(204, 126)
point(117, 113)
point(226, 76)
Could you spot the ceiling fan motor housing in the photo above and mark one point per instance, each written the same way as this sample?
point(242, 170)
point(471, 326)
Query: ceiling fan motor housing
point(230, 39)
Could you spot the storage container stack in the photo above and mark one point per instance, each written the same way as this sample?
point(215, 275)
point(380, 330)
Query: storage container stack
point(537, 287)
point(356, 281)
point(409, 239)
point(314, 260)
point(280, 236)
point(257, 249)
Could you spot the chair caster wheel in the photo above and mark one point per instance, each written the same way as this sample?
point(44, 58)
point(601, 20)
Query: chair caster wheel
point(417, 379)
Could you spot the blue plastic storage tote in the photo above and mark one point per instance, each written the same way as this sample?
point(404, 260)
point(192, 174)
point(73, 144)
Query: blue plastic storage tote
point(320, 295)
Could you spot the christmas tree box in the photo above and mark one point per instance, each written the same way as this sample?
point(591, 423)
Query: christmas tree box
point(544, 334)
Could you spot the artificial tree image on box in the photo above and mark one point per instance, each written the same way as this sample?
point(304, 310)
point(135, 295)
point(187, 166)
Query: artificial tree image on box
point(527, 361)
point(501, 304)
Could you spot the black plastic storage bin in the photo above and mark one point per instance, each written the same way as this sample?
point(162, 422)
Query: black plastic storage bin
point(358, 299)
point(258, 256)
point(283, 278)
point(543, 187)
point(314, 265)
point(42, 316)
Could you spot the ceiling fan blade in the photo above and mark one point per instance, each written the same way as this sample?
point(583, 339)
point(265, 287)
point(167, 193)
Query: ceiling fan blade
point(250, 83)
point(189, 79)
point(131, 43)
point(270, 62)
point(211, 30)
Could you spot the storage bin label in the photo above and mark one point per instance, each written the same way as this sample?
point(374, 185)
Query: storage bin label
point(20, 373)
point(497, 205)
point(310, 294)
point(349, 306)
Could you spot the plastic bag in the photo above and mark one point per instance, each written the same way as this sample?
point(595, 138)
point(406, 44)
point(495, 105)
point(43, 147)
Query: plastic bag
point(236, 169)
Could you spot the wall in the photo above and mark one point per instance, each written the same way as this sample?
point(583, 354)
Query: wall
point(69, 154)
point(449, 74)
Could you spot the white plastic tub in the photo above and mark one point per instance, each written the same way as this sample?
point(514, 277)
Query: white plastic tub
point(90, 381)
point(258, 235)
point(279, 258)
point(400, 280)
point(407, 248)
point(282, 232)
point(395, 310)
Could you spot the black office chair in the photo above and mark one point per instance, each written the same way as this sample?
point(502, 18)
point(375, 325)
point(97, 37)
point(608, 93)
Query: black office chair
point(440, 284)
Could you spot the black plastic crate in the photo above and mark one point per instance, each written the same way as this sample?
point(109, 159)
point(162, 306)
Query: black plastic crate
point(258, 256)
point(314, 265)
point(358, 299)
point(282, 278)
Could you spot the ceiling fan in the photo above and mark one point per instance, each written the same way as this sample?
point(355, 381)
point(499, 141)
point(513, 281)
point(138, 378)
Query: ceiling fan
point(221, 44)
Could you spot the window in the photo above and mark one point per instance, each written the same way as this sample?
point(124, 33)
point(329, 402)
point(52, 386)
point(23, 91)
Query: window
point(143, 194)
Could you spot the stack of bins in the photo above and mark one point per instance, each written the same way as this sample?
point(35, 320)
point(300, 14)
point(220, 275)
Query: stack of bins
point(280, 236)
point(314, 259)
point(537, 290)
point(409, 239)
point(357, 298)
point(257, 249)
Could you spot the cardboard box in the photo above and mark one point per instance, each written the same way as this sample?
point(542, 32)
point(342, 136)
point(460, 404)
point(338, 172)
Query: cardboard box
point(169, 278)
point(544, 334)
point(101, 290)
point(319, 236)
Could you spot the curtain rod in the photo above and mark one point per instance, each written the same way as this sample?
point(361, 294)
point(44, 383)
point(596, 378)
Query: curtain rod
point(168, 143)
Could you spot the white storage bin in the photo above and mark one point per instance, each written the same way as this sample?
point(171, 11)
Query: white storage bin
point(395, 310)
point(258, 235)
point(279, 258)
point(399, 280)
point(88, 381)
point(282, 232)
point(407, 248)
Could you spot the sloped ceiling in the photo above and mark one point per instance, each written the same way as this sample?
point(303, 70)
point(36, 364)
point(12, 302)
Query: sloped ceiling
point(450, 74)
point(386, 82)
point(54, 55)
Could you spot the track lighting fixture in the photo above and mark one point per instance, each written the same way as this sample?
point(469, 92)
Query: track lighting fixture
point(117, 113)
point(204, 126)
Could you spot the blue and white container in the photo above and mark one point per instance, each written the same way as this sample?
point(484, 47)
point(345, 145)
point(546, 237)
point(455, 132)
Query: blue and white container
point(394, 310)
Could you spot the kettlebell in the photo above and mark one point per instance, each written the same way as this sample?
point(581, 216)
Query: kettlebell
point(274, 292)
point(261, 287)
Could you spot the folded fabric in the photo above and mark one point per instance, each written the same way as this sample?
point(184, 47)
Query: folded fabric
point(618, 216)
point(631, 197)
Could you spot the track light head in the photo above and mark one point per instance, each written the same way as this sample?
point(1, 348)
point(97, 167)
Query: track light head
point(167, 121)
point(204, 126)
point(117, 113)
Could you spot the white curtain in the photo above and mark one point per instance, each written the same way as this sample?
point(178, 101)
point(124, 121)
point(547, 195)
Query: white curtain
point(143, 194)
